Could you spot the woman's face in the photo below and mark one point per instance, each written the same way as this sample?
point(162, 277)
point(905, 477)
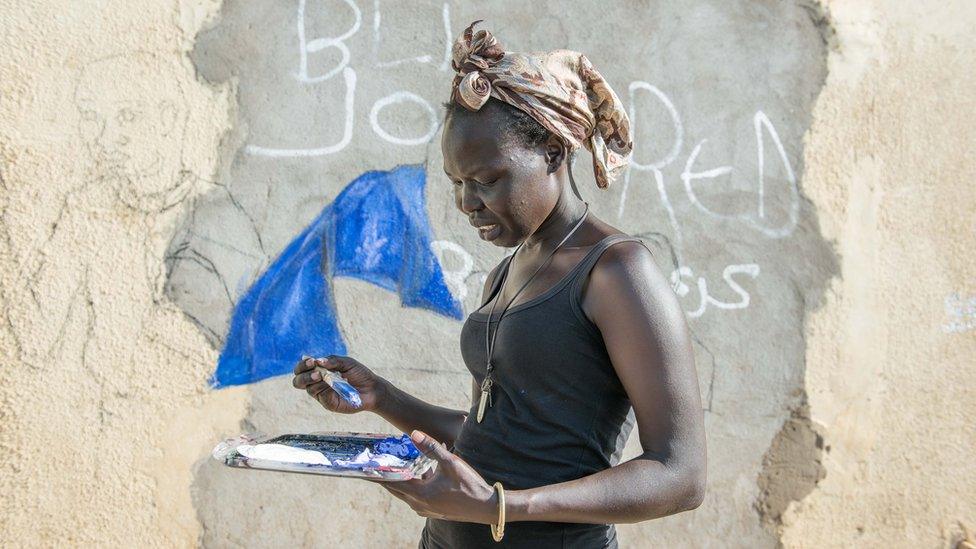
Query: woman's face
point(498, 184)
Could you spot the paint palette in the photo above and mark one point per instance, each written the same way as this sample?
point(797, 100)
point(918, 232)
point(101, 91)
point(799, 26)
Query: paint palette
point(376, 456)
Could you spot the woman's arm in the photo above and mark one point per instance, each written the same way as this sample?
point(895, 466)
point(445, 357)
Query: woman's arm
point(378, 395)
point(408, 412)
point(403, 410)
point(647, 338)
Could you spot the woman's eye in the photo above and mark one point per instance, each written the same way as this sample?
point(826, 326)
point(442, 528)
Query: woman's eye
point(460, 183)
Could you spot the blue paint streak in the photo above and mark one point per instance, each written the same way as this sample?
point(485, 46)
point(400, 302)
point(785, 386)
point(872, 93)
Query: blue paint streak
point(376, 230)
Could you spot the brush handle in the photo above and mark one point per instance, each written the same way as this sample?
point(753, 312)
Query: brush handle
point(342, 387)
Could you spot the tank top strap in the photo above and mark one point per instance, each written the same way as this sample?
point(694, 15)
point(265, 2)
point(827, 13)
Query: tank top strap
point(499, 275)
point(586, 265)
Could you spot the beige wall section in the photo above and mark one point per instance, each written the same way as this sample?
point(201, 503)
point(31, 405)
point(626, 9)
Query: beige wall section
point(104, 133)
point(891, 357)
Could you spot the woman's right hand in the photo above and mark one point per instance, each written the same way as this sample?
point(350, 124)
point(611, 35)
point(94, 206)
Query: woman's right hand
point(372, 388)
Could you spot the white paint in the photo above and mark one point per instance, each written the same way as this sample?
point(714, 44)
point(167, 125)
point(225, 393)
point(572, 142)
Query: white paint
point(455, 278)
point(349, 75)
point(376, 44)
point(679, 131)
point(961, 312)
point(448, 39)
point(283, 453)
point(364, 457)
point(756, 221)
point(677, 284)
point(687, 176)
point(675, 146)
point(759, 121)
point(306, 47)
point(704, 299)
point(400, 97)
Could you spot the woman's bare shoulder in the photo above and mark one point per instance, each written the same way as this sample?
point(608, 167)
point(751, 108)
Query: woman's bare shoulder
point(626, 272)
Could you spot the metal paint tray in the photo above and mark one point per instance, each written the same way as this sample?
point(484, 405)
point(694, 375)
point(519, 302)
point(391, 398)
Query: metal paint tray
point(334, 444)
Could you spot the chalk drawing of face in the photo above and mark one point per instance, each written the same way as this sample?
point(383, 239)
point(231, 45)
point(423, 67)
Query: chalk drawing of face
point(133, 118)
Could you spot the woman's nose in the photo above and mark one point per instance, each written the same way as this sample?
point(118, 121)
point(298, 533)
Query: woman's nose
point(469, 201)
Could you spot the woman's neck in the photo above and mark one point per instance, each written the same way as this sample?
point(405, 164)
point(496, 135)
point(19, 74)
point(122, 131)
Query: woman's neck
point(563, 217)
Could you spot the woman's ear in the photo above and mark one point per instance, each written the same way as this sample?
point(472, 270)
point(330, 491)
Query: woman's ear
point(555, 154)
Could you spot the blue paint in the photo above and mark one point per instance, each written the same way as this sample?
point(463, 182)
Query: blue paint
point(376, 230)
point(401, 447)
point(343, 388)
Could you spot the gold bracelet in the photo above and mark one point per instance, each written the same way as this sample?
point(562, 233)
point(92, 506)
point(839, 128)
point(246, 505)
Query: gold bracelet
point(499, 532)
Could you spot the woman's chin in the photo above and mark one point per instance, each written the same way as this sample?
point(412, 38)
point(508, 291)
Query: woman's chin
point(504, 240)
point(499, 236)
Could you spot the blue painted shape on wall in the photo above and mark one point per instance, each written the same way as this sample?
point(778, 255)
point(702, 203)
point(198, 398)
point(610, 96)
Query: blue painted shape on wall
point(376, 230)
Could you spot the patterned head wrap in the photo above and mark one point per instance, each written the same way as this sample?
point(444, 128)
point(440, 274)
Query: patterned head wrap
point(560, 89)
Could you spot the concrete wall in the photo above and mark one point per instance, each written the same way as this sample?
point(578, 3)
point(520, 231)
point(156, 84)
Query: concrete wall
point(800, 168)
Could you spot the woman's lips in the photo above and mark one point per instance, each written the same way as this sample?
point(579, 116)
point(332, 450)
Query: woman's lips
point(489, 232)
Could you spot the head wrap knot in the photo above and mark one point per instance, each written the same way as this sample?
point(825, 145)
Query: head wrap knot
point(471, 54)
point(560, 89)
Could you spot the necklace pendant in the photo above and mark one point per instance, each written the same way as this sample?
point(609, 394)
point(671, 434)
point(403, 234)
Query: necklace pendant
point(485, 397)
point(481, 405)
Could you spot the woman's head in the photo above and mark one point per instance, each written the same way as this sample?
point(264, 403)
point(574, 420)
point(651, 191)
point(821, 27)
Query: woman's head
point(507, 170)
point(517, 118)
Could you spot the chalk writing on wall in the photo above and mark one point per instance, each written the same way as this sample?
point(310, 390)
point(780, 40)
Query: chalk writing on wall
point(377, 231)
point(761, 219)
point(961, 312)
point(684, 178)
point(307, 46)
point(704, 299)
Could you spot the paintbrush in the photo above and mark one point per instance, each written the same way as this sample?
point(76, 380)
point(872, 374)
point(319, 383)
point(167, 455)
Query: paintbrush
point(342, 387)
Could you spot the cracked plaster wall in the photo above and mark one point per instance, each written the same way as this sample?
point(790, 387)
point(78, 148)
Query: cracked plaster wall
point(106, 344)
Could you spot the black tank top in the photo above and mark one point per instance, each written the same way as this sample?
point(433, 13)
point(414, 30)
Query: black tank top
point(559, 411)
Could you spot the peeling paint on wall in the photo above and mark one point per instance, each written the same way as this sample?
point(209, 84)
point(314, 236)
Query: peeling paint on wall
point(328, 91)
point(791, 468)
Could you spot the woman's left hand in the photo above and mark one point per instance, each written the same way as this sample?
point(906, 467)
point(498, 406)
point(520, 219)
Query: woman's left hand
point(452, 491)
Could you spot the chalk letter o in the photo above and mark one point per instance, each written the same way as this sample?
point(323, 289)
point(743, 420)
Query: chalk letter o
point(400, 97)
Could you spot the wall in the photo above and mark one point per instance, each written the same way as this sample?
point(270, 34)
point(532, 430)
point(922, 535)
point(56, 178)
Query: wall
point(890, 356)
point(106, 135)
point(786, 154)
point(732, 227)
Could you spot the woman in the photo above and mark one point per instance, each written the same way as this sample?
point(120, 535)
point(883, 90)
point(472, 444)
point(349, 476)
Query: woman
point(576, 326)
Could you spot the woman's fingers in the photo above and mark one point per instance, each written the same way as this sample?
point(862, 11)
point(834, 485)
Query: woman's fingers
point(305, 379)
point(336, 363)
point(415, 499)
point(305, 364)
point(325, 395)
point(316, 389)
point(431, 448)
point(306, 371)
point(402, 494)
point(331, 362)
